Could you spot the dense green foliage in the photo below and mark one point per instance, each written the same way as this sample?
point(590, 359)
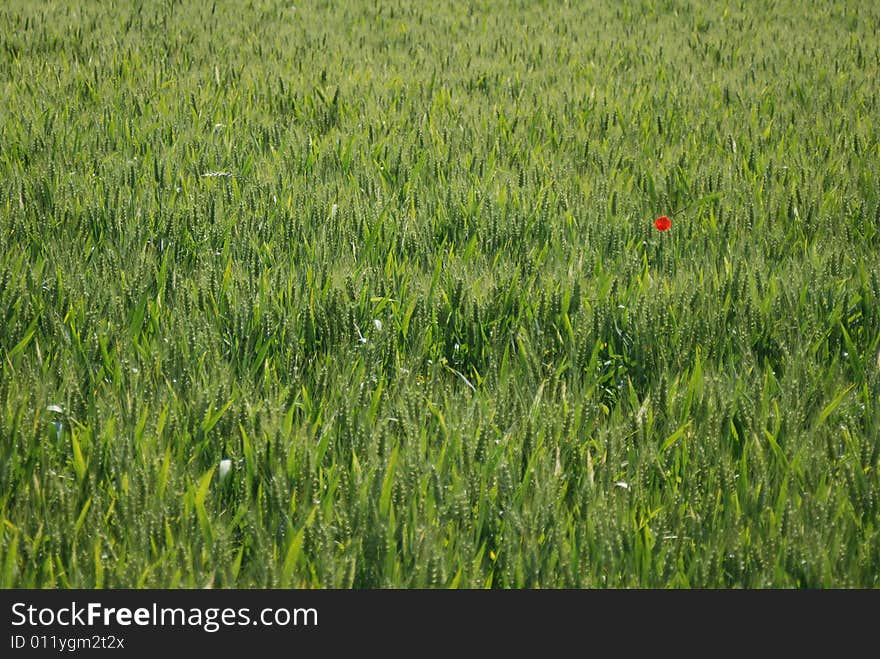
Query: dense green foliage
point(397, 262)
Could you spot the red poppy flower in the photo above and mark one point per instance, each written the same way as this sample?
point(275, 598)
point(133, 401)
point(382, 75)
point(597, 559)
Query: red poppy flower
point(663, 223)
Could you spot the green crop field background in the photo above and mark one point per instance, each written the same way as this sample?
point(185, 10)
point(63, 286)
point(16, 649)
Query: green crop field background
point(396, 262)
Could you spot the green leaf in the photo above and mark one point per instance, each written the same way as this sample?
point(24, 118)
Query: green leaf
point(828, 410)
point(674, 437)
point(387, 482)
point(294, 549)
point(203, 487)
point(82, 517)
point(211, 418)
point(80, 465)
point(21, 345)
